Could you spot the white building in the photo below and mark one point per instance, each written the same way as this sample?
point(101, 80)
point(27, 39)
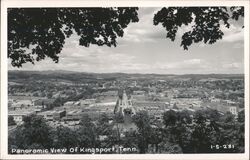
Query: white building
point(72, 104)
point(233, 110)
point(18, 115)
point(22, 104)
point(186, 102)
point(87, 102)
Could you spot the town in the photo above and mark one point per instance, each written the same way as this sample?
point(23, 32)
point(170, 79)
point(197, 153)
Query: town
point(63, 98)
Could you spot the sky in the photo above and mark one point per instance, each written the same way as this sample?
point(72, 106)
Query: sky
point(144, 48)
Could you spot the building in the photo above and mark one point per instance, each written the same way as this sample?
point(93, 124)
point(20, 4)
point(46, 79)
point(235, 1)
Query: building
point(18, 115)
point(44, 103)
point(124, 105)
point(228, 102)
point(186, 102)
point(213, 99)
point(87, 102)
point(93, 110)
point(223, 108)
point(139, 93)
point(149, 104)
point(73, 115)
point(109, 93)
point(48, 115)
point(71, 104)
point(21, 104)
point(57, 115)
point(233, 110)
point(154, 109)
point(53, 115)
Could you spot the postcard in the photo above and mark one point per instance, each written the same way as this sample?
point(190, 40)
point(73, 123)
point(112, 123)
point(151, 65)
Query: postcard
point(124, 79)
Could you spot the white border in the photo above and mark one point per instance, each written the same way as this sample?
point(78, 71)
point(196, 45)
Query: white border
point(95, 3)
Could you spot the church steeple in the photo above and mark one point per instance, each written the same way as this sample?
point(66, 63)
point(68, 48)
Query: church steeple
point(124, 105)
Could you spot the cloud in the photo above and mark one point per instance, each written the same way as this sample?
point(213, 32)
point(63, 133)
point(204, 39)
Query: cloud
point(189, 63)
point(234, 37)
point(192, 61)
point(145, 49)
point(238, 45)
point(232, 34)
point(234, 65)
point(144, 30)
point(118, 62)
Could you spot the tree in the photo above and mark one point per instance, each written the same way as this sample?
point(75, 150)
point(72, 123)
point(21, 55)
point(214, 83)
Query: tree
point(213, 116)
point(141, 119)
point(36, 33)
point(167, 147)
point(201, 135)
point(207, 22)
point(156, 138)
point(228, 118)
point(177, 131)
point(49, 95)
point(170, 118)
point(184, 117)
point(64, 137)
point(58, 102)
point(85, 120)
point(233, 132)
point(118, 117)
point(103, 126)
point(241, 116)
point(87, 132)
point(34, 131)
point(11, 121)
point(175, 106)
point(103, 119)
point(130, 139)
point(241, 131)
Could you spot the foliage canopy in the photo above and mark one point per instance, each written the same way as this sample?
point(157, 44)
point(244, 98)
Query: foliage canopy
point(37, 33)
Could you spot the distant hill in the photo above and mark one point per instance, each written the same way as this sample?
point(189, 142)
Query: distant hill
point(17, 76)
point(216, 76)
